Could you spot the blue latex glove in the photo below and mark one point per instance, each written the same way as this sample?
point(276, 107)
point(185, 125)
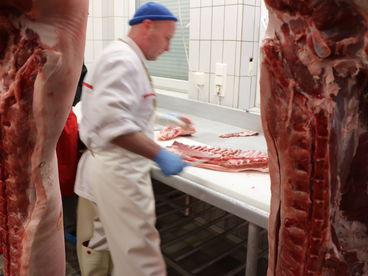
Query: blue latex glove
point(169, 163)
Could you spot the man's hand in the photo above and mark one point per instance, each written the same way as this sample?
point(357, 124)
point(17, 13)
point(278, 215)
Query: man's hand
point(169, 162)
point(188, 122)
point(173, 119)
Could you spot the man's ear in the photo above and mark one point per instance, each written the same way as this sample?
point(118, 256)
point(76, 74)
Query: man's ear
point(147, 24)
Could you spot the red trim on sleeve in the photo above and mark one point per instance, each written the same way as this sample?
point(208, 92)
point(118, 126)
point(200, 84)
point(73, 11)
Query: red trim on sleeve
point(87, 85)
point(149, 95)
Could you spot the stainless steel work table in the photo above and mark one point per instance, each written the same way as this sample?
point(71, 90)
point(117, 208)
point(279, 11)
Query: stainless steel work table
point(248, 200)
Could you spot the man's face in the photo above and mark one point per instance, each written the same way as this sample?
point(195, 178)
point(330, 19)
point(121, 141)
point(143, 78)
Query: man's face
point(160, 36)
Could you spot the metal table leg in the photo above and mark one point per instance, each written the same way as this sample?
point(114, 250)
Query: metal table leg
point(187, 203)
point(252, 250)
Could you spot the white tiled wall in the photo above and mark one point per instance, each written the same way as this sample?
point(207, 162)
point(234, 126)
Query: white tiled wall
point(107, 21)
point(232, 38)
point(225, 31)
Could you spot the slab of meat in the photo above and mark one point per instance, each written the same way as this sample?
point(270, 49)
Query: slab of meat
point(239, 134)
point(222, 159)
point(171, 132)
point(41, 55)
point(314, 103)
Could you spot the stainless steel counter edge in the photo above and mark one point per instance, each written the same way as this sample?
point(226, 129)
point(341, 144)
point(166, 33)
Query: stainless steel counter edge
point(223, 201)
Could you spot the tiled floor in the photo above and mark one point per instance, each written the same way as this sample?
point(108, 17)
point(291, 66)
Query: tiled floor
point(72, 268)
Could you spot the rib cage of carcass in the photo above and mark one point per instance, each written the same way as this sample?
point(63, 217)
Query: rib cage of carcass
point(41, 55)
point(314, 105)
point(221, 159)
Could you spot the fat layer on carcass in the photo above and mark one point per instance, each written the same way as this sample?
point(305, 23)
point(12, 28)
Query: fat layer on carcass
point(41, 55)
point(222, 159)
point(314, 106)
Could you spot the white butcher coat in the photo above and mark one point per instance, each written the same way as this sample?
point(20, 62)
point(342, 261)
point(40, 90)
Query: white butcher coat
point(118, 99)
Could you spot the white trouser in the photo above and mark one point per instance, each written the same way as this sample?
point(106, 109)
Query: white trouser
point(98, 241)
point(94, 260)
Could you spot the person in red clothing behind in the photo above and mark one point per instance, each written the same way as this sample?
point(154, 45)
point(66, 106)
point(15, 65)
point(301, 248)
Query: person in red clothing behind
point(67, 155)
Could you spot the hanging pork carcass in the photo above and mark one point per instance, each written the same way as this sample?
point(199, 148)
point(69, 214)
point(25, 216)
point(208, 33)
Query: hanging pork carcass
point(41, 55)
point(314, 105)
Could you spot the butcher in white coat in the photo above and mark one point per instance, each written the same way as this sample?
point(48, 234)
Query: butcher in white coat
point(113, 180)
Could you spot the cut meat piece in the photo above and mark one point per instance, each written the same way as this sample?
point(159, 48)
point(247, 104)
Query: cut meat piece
point(239, 134)
point(222, 159)
point(171, 132)
point(41, 53)
point(314, 107)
